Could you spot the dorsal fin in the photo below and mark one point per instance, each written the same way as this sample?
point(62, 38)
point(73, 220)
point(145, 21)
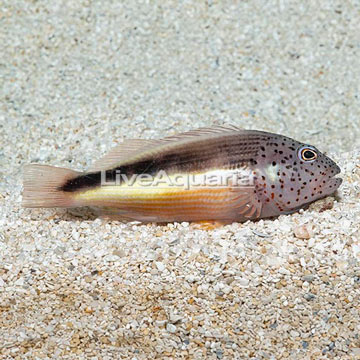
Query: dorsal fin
point(205, 131)
point(132, 148)
point(121, 153)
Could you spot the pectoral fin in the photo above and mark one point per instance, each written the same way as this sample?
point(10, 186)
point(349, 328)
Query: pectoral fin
point(248, 205)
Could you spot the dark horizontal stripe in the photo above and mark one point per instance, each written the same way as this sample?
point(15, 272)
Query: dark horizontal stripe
point(82, 181)
point(195, 156)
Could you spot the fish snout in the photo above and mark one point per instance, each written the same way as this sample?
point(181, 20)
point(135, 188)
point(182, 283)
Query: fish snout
point(336, 169)
point(333, 182)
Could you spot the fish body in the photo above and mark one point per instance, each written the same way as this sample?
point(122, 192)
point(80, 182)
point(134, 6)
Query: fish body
point(221, 173)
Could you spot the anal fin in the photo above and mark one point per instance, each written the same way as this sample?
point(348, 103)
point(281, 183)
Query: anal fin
point(113, 213)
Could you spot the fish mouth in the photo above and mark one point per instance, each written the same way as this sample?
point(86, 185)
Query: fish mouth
point(333, 183)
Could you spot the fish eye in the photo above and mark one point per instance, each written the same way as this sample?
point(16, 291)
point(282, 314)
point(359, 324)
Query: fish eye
point(307, 153)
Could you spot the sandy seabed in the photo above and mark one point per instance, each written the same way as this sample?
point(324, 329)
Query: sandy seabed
point(78, 77)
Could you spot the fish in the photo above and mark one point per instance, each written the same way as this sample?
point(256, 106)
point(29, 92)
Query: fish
point(219, 173)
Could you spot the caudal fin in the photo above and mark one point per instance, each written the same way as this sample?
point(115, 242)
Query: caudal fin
point(41, 186)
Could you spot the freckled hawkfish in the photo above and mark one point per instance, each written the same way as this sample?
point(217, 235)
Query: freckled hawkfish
point(221, 173)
